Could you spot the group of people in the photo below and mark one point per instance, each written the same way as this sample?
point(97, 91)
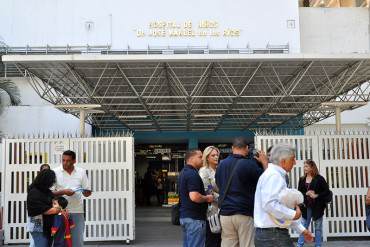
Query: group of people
point(154, 184)
point(247, 195)
point(54, 204)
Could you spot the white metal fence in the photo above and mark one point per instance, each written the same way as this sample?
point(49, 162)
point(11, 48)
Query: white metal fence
point(344, 160)
point(109, 163)
point(2, 161)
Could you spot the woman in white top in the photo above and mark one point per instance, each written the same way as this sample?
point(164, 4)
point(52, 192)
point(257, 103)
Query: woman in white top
point(207, 173)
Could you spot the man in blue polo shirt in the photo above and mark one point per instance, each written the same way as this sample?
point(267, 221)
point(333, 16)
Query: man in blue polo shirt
point(236, 213)
point(193, 201)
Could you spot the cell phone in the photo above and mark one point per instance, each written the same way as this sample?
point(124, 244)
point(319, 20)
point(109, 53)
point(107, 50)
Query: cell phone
point(81, 190)
point(255, 153)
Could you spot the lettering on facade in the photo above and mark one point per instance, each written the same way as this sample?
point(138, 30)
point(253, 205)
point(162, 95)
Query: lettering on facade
point(173, 29)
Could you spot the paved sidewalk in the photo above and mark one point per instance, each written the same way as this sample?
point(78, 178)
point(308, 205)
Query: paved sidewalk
point(163, 234)
point(153, 229)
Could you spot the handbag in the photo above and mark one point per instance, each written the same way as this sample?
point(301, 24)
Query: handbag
point(329, 197)
point(175, 214)
point(214, 218)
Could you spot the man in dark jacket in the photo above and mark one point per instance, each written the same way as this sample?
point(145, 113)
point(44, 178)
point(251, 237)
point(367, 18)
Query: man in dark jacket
point(237, 208)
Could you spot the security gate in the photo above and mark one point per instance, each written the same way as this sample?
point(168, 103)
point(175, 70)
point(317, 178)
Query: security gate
point(344, 161)
point(109, 163)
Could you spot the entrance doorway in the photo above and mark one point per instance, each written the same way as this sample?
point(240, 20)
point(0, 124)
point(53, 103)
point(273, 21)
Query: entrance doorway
point(157, 167)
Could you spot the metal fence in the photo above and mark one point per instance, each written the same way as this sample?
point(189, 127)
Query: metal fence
point(149, 50)
point(345, 162)
point(109, 163)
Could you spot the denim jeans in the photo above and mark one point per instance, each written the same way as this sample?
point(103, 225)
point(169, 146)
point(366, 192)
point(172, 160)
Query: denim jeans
point(79, 230)
point(318, 229)
point(272, 237)
point(194, 232)
point(32, 243)
point(40, 240)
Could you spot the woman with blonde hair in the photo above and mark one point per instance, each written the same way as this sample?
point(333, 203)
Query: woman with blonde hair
point(207, 173)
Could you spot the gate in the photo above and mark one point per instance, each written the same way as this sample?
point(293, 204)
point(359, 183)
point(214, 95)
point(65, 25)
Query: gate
point(344, 161)
point(109, 163)
point(2, 161)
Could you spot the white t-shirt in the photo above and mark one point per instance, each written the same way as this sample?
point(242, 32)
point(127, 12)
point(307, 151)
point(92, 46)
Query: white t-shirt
point(77, 180)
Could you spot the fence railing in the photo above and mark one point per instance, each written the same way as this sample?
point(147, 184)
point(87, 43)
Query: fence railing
point(344, 160)
point(109, 163)
point(149, 50)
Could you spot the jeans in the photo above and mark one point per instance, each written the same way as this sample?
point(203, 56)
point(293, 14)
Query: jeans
point(318, 229)
point(194, 232)
point(32, 243)
point(272, 237)
point(79, 230)
point(40, 240)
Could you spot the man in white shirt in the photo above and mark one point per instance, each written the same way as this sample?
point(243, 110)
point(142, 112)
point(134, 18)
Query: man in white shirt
point(271, 218)
point(72, 183)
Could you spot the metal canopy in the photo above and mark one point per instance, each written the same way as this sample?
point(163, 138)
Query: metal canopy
point(199, 92)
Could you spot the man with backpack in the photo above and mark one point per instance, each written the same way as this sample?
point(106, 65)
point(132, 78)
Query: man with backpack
point(237, 178)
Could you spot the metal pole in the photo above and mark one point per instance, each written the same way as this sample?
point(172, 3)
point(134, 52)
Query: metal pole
point(338, 123)
point(82, 122)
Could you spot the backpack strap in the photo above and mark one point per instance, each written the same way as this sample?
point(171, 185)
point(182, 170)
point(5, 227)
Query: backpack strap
point(235, 164)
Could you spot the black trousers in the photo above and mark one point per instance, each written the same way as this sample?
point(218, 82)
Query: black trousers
point(272, 237)
point(212, 239)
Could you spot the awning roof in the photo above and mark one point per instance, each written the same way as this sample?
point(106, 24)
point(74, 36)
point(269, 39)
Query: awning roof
point(200, 91)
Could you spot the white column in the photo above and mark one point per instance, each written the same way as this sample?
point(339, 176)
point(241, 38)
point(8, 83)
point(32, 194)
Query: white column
point(338, 123)
point(82, 122)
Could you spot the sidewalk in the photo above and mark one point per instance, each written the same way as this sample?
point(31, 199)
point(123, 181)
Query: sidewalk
point(329, 244)
point(153, 229)
point(163, 234)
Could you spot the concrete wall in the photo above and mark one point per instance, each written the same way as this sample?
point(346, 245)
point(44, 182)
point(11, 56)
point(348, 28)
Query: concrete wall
point(360, 115)
point(334, 30)
point(36, 115)
point(134, 23)
point(331, 127)
point(357, 119)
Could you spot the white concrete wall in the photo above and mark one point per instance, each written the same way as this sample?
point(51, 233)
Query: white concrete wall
point(334, 30)
point(358, 119)
point(352, 128)
point(360, 115)
point(36, 115)
point(117, 23)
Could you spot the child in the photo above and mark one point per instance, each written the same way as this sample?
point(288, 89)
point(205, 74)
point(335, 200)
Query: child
point(290, 198)
point(61, 230)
